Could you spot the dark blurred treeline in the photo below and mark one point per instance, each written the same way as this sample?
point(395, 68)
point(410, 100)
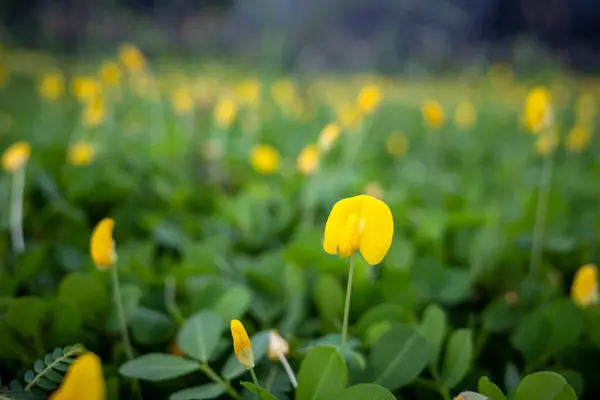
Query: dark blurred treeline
point(318, 33)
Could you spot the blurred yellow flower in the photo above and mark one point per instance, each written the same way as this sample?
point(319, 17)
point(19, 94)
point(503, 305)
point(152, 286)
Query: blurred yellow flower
point(248, 92)
point(52, 86)
point(349, 116)
point(369, 98)
point(278, 346)
point(547, 142)
point(578, 139)
point(85, 89)
point(465, 115)
point(284, 93)
point(225, 112)
point(264, 159)
point(538, 109)
point(241, 344)
point(110, 73)
point(397, 144)
point(16, 156)
point(584, 289)
point(102, 245)
point(433, 114)
point(374, 189)
point(328, 136)
point(94, 112)
point(308, 160)
point(81, 153)
point(182, 101)
point(84, 380)
point(132, 58)
point(359, 223)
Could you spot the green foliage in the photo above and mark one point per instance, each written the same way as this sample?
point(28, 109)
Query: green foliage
point(157, 367)
point(322, 374)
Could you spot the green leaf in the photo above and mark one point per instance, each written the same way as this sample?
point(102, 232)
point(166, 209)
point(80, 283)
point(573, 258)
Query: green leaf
point(200, 335)
point(65, 322)
point(46, 383)
point(500, 316)
point(544, 386)
point(322, 374)
point(433, 329)
point(393, 313)
point(38, 366)
point(202, 392)
point(489, 389)
point(233, 304)
point(26, 315)
point(260, 393)
point(29, 375)
point(149, 326)
point(157, 367)
point(260, 343)
point(366, 391)
point(329, 299)
point(398, 357)
point(458, 357)
point(89, 294)
point(531, 335)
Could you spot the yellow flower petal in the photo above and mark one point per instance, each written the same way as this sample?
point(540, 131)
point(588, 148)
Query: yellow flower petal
point(102, 245)
point(378, 229)
point(241, 344)
point(264, 159)
point(81, 153)
point(336, 222)
point(584, 290)
point(16, 156)
point(84, 380)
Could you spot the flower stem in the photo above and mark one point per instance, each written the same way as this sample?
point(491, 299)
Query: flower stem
point(170, 302)
point(255, 379)
point(114, 274)
point(347, 306)
point(288, 370)
point(208, 371)
point(16, 210)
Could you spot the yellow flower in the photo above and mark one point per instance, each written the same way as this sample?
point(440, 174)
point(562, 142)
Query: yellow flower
point(328, 136)
point(81, 153)
point(433, 113)
point(465, 115)
point(308, 160)
point(397, 144)
point(374, 189)
point(278, 346)
point(182, 101)
point(16, 156)
point(359, 223)
point(584, 289)
point(94, 112)
point(369, 98)
point(349, 116)
point(84, 380)
point(52, 86)
point(85, 89)
point(132, 58)
point(241, 344)
point(547, 142)
point(264, 159)
point(578, 139)
point(538, 110)
point(225, 112)
point(102, 245)
point(110, 73)
point(248, 92)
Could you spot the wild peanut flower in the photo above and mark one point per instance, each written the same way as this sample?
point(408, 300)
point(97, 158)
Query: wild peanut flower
point(102, 245)
point(264, 159)
point(433, 114)
point(547, 142)
point(84, 380)
point(349, 116)
point(278, 346)
point(248, 92)
point(132, 58)
point(328, 136)
point(359, 223)
point(369, 98)
point(465, 115)
point(94, 112)
point(578, 139)
point(110, 73)
point(85, 89)
point(538, 109)
point(52, 86)
point(16, 156)
point(241, 344)
point(81, 153)
point(225, 112)
point(584, 289)
point(397, 144)
point(308, 160)
point(182, 101)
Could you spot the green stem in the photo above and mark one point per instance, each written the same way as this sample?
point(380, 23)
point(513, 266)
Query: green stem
point(208, 371)
point(433, 386)
point(255, 379)
point(16, 210)
point(347, 306)
point(170, 302)
point(480, 342)
point(114, 274)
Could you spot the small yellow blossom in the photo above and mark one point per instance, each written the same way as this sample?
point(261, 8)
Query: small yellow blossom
point(110, 73)
point(397, 144)
point(85, 89)
point(264, 159)
point(369, 98)
point(349, 116)
point(578, 139)
point(81, 153)
point(182, 101)
point(225, 112)
point(359, 223)
point(433, 114)
point(308, 160)
point(84, 380)
point(278, 346)
point(538, 109)
point(102, 245)
point(132, 58)
point(241, 344)
point(584, 289)
point(374, 189)
point(16, 156)
point(248, 92)
point(328, 136)
point(465, 115)
point(94, 112)
point(52, 86)
point(547, 142)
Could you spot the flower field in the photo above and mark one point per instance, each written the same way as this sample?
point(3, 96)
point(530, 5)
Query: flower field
point(190, 231)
